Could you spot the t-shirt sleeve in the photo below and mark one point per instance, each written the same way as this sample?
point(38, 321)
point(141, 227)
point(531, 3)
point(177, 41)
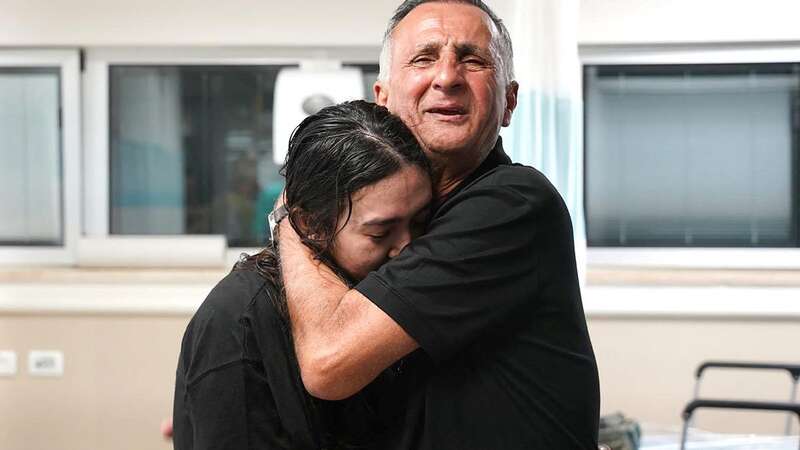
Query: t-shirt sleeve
point(477, 265)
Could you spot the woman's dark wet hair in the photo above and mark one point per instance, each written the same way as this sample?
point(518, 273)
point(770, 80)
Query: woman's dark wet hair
point(332, 154)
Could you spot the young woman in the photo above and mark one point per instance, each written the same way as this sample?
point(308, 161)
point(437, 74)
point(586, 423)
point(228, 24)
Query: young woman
point(357, 190)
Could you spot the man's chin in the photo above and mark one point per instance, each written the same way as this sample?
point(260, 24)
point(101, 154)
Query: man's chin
point(444, 147)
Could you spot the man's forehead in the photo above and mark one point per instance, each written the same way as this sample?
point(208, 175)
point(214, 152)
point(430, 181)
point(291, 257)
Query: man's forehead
point(461, 21)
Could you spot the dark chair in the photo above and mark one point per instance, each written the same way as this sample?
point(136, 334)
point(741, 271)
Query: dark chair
point(792, 406)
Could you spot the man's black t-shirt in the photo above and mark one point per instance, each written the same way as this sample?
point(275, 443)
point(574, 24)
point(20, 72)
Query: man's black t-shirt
point(238, 384)
point(491, 295)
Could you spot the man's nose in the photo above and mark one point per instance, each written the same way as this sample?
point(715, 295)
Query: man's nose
point(448, 75)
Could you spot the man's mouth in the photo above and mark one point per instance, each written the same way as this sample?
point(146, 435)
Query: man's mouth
point(449, 113)
point(448, 110)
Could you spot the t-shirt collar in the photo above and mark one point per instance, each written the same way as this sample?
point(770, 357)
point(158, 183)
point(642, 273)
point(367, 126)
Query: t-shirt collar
point(496, 157)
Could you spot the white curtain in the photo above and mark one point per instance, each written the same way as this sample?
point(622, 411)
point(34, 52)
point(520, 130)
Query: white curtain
point(30, 158)
point(148, 189)
point(546, 131)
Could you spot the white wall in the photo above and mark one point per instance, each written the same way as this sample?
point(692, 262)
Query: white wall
point(647, 368)
point(361, 22)
point(199, 22)
point(687, 21)
point(192, 22)
point(647, 363)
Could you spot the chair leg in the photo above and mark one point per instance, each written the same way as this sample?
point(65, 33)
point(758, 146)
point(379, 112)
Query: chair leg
point(790, 418)
point(685, 432)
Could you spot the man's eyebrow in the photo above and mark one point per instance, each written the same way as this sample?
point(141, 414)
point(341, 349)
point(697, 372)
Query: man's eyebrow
point(463, 50)
point(428, 47)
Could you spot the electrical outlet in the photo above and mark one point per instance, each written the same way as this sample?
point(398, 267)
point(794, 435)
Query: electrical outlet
point(8, 363)
point(46, 363)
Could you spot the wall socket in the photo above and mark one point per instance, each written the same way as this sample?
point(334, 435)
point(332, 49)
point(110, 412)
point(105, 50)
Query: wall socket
point(46, 363)
point(8, 363)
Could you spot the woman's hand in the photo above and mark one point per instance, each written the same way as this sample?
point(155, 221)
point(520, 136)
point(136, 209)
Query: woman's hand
point(166, 429)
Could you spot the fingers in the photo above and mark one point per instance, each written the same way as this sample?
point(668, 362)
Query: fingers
point(166, 429)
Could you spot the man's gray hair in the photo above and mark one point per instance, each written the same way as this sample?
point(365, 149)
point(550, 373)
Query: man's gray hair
point(500, 46)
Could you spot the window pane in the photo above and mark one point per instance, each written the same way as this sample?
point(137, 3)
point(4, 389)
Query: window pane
point(191, 150)
point(369, 73)
point(30, 157)
point(692, 155)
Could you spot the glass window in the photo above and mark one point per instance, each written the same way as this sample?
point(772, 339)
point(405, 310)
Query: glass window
point(692, 155)
point(191, 150)
point(30, 157)
point(370, 75)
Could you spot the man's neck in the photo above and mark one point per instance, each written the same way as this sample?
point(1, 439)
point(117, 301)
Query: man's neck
point(444, 187)
point(446, 177)
point(448, 173)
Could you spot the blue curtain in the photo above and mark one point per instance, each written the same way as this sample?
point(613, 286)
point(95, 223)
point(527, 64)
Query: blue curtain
point(546, 130)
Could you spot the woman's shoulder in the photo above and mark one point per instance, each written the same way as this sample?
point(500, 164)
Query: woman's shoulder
point(233, 295)
point(215, 334)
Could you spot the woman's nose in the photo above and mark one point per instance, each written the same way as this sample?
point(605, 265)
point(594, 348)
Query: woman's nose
point(402, 241)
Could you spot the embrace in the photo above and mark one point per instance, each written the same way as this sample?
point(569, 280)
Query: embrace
point(421, 291)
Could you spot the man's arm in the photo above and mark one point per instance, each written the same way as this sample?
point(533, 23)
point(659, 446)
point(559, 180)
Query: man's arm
point(343, 341)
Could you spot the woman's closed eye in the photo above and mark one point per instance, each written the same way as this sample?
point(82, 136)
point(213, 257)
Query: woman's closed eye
point(378, 236)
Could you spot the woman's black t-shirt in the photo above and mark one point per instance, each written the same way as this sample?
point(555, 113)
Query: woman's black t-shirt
point(238, 383)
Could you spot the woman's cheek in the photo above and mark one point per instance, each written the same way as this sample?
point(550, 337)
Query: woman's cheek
point(373, 257)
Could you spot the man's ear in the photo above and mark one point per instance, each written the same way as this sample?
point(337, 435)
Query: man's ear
point(511, 102)
point(298, 217)
point(380, 92)
point(308, 229)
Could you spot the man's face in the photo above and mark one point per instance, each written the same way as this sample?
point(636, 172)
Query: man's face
point(442, 80)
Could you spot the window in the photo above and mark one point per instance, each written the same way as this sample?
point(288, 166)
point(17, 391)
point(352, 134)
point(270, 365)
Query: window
point(370, 73)
point(30, 156)
point(39, 156)
point(191, 150)
point(177, 142)
point(692, 155)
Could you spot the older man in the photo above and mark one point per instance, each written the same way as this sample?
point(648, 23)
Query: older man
point(488, 300)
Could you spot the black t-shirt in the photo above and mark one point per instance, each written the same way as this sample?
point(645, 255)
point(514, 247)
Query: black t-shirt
point(238, 383)
point(491, 295)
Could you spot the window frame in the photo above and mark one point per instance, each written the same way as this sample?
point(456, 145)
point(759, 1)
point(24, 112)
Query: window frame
point(96, 101)
point(68, 63)
point(695, 257)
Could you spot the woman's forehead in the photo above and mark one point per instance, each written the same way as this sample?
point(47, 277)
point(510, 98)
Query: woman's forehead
point(400, 195)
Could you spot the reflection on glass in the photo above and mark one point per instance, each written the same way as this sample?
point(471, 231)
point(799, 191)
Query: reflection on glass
point(191, 151)
point(30, 157)
point(692, 155)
